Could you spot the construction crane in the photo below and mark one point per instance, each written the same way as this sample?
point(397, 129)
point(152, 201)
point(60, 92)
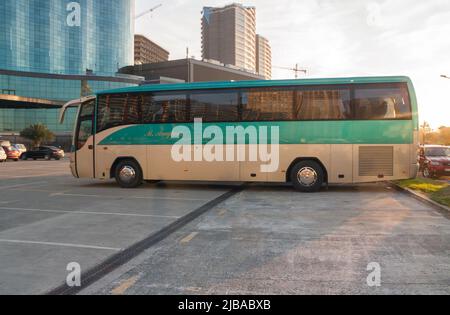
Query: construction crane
point(148, 11)
point(296, 70)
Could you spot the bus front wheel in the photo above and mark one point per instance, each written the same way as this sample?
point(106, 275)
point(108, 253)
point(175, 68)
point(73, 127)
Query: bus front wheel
point(307, 176)
point(128, 174)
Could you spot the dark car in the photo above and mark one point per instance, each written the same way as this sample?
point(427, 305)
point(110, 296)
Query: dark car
point(434, 161)
point(44, 152)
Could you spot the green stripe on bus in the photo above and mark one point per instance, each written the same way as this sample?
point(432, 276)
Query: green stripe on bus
point(313, 132)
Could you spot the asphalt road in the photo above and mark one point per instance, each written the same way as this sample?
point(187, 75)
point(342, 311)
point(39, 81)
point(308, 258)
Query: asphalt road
point(265, 240)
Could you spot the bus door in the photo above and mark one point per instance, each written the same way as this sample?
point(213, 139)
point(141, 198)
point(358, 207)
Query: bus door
point(84, 140)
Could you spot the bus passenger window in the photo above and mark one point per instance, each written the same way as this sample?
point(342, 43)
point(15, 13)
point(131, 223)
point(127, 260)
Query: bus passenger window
point(323, 104)
point(287, 104)
point(118, 110)
point(165, 108)
point(269, 104)
point(381, 103)
point(214, 106)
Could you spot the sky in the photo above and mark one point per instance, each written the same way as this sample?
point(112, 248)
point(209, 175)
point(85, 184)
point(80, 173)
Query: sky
point(332, 38)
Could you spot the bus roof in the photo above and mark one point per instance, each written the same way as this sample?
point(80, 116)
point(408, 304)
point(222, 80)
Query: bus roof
point(256, 83)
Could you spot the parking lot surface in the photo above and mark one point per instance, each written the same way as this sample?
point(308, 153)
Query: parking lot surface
point(271, 240)
point(49, 219)
point(264, 240)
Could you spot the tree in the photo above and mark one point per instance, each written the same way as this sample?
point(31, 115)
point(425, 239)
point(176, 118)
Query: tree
point(37, 133)
point(440, 136)
point(444, 135)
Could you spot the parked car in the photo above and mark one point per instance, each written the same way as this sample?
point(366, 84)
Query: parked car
point(21, 148)
point(434, 161)
point(12, 153)
point(3, 156)
point(44, 152)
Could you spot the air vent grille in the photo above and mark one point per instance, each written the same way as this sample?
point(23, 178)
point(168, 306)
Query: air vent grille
point(376, 161)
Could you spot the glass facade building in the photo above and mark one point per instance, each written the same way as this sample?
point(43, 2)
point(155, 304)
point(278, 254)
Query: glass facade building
point(48, 88)
point(44, 36)
point(59, 50)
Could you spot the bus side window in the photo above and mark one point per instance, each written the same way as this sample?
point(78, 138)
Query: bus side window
point(118, 110)
point(268, 104)
point(214, 106)
point(164, 108)
point(288, 104)
point(323, 104)
point(381, 102)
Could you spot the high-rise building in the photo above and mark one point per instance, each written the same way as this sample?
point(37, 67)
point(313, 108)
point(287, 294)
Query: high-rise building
point(229, 35)
point(146, 51)
point(52, 51)
point(263, 57)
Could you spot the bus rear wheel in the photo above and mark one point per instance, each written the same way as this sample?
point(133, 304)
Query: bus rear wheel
point(307, 176)
point(128, 174)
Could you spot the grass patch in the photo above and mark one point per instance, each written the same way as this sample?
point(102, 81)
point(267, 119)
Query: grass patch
point(435, 190)
point(423, 184)
point(442, 196)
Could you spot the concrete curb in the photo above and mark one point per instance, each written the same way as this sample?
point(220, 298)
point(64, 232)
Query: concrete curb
point(421, 197)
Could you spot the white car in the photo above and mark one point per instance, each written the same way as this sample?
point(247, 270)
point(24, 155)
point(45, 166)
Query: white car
point(3, 156)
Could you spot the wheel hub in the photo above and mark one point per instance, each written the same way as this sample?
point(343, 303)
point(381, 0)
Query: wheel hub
point(127, 174)
point(307, 176)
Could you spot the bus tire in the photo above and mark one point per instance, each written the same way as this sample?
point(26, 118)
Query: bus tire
point(307, 176)
point(128, 174)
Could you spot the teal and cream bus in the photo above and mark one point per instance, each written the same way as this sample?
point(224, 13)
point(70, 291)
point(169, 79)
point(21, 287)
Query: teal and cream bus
point(305, 132)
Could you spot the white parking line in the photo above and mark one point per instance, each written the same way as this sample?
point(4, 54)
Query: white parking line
point(34, 175)
point(135, 197)
point(60, 244)
point(22, 185)
point(92, 213)
point(34, 190)
point(6, 202)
